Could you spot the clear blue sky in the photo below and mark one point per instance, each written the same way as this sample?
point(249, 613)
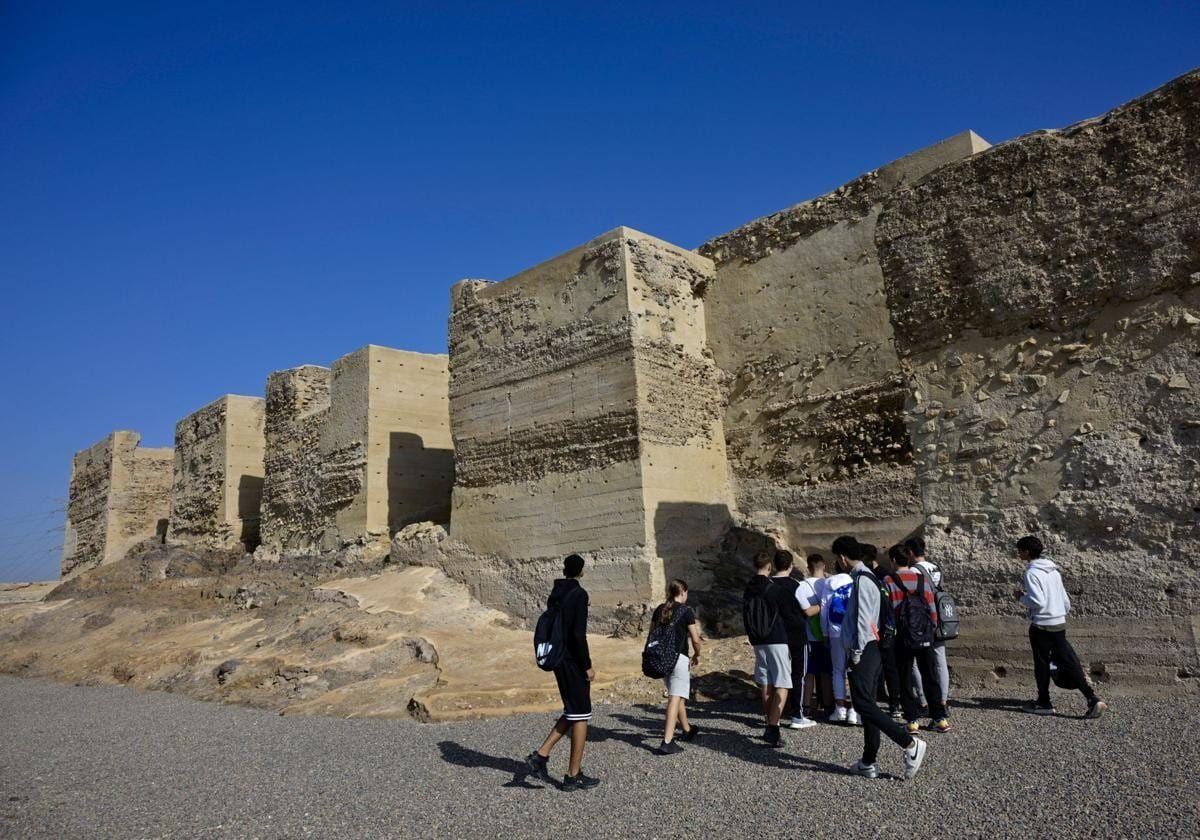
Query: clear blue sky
point(193, 195)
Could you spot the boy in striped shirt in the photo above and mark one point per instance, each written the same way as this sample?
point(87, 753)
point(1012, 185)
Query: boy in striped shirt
point(911, 589)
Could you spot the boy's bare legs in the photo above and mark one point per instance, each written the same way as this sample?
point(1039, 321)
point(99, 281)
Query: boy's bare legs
point(556, 734)
point(578, 738)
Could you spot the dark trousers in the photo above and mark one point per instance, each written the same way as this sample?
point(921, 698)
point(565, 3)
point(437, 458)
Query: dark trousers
point(1052, 645)
point(864, 683)
point(905, 656)
point(791, 706)
point(889, 680)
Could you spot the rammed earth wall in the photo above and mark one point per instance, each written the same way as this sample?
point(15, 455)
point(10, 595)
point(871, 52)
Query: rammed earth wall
point(1046, 301)
point(798, 321)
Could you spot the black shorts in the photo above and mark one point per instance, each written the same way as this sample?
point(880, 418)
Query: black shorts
point(575, 690)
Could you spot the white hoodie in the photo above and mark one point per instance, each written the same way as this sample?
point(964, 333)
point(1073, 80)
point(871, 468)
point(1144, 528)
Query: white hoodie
point(1045, 597)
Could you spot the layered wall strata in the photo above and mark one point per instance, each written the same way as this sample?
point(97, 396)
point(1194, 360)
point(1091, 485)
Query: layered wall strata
point(120, 496)
point(356, 452)
point(297, 400)
point(797, 318)
point(218, 474)
point(586, 418)
point(1046, 297)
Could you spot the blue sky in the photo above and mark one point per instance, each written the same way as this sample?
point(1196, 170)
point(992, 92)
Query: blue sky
point(194, 195)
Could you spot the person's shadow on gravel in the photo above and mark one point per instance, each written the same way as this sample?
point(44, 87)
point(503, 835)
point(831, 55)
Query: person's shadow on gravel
point(738, 745)
point(990, 704)
point(453, 753)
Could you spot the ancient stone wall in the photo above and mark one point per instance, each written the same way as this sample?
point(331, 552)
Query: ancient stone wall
point(586, 419)
point(798, 321)
point(218, 474)
point(297, 401)
point(356, 452)
point(1046, 301)
point(120, 496)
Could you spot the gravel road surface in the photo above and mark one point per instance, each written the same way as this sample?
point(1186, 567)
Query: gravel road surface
point(112, 762)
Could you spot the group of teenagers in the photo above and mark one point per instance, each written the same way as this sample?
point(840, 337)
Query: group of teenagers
point(855, 630)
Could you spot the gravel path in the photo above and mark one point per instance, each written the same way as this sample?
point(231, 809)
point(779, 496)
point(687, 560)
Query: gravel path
point(111, 762)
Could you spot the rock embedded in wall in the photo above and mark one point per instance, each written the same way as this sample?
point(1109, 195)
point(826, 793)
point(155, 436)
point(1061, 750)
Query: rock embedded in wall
point(1046, 299)
point(798, 321)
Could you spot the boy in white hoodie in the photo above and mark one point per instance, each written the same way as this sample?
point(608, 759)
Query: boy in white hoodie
point(1048, 605)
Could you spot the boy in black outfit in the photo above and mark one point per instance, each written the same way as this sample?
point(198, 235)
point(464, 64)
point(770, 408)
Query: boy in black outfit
point(574, 677)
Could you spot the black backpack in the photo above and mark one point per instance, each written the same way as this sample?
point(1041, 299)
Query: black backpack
point(549, 638)
point(759, 614)
point(914, 626)
point(662, 647)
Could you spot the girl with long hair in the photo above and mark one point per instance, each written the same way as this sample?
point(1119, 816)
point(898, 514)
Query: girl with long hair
point(675, 611)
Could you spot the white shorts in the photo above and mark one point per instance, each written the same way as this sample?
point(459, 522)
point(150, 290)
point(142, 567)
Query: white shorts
point(773, 665)
point(679, 681)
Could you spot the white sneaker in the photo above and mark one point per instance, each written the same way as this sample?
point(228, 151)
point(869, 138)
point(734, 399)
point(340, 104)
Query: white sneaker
point(869, 771)
point(839, 715)
point(852, 718)
point(913, 756)
point(801, 722)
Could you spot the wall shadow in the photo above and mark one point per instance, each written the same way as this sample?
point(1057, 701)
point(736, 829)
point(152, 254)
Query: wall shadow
point(419, 481)
point(699, 543)
point(250, 489)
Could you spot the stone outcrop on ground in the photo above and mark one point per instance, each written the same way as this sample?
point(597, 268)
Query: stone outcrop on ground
point(1046, 300)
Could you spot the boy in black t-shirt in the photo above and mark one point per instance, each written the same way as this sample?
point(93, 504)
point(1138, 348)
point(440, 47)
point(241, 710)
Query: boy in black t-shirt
point(795, 623)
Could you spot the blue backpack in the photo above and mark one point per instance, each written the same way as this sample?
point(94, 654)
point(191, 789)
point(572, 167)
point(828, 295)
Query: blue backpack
point(837, 604)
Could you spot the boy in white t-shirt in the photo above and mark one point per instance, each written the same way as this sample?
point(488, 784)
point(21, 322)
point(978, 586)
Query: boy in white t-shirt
point(818, 684)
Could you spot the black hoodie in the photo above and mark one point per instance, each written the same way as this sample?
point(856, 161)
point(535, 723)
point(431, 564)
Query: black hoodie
point(572, 599)
point(763, 585)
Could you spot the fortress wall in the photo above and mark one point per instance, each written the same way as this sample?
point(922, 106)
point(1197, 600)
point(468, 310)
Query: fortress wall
point(798, 320)
point(357, 451)
point(120, 495)
point(297, 401)
point(217, 486)
point(557, 420)
point(410, 472)
point(1046, 299)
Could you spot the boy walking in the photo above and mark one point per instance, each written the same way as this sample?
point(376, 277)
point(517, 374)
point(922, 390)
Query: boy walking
point(796, 623)
point(860, 639)
point(574, 676)
point(1048, 604)
point(763, 608)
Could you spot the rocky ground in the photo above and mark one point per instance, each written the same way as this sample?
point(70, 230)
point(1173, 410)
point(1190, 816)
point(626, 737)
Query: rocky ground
point(334, 635)
point(109, 762)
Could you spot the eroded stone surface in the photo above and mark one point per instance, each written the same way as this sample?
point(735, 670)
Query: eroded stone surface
point(120, 496)
point(1044, 295)
point(218, 474)
point(798, 320)
point(356, 452)
point(586, 418)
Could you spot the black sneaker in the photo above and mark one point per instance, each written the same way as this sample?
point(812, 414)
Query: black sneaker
point(1096, 707)
point(671, 748)
point(773, 737)
point(690, 735)
point(1035, 708)
point(537, 767)
point(580, 782)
